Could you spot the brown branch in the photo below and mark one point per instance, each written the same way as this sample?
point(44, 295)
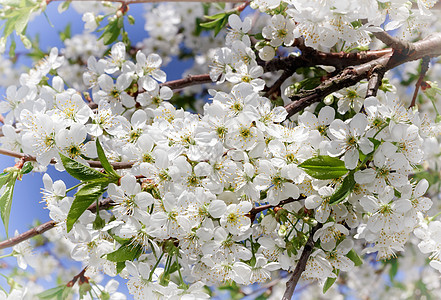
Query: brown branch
point(393, 42)
point(255, 210)
point(40, 229)
point(424, 68)
point(276, 86)
point(430, 47)
point(81, 278)
point(311, 57)
point(301, 264)
point(92, 163)
point(375, 79)
point(189, 80)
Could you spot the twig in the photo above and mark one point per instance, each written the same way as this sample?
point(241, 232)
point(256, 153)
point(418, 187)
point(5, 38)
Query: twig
point(424, 68)
point(80, 278)
point(430, 47)
point(311, 57)
point(256, 210)
point(393, 42)
point(375, 78)
point(188, 81)
point(301, 264)
point(42, 228)
point(92, 163)
point(276, 86)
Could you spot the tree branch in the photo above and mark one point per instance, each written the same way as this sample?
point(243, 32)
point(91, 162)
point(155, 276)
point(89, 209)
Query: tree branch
point(424, 68)
point(189, 80)
point(311, 57)
point(92, 163)
point(374, 83)
point(255, 210)
point(301, 264)
point(40, 229)
point(430, 47)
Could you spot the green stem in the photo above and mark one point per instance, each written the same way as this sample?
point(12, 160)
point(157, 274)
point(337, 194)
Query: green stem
point(74, 187)
point(155, 266)
point(7, 255)
point(179, 271)
point(433, 218)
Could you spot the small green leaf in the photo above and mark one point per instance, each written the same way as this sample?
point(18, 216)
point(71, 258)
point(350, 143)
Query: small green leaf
point(127, 251)
point(211, 24)
point(344, 189)
point(4, 178)
point(80, 171)
point(23, 19)
point(6, 199)
point(324, 167)
point(221, 25)
point(63, 6)
point(131, 19)
point(216, 16)
point(120, 266)
point(67, 33)
point(352, 255)
point(375, 142)
point(111, 32)
point(88, 194)
point(52, 293)
point(393, 268)
point(104, 162)
point(27, 167)
point(330, 281)
point(12, 49)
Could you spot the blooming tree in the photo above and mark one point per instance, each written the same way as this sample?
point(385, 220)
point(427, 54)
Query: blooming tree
point(303, 142)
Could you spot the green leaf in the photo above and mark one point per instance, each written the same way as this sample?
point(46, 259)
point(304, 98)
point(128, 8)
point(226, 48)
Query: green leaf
point(52, 293)
point(23, 19)
point(344, 189)
point(111, 32)
point(330, 281)
point(67, 33)
point(12, 49)
point(80, 171)
point(393, 268)
point(104, 162)
point(375, 142)
point(127, 251)
point(211, 24)
point(324, 167)
point(221, 25)
point(63, 6)
point(6, 200)
point(27, 167)
point(120, 266)
point(4, 178)
point(216, 16)
point(88, 194)
point(352, 255)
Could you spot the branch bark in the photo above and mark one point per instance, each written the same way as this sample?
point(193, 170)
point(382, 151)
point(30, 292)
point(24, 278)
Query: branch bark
point(256, 210)
point(301, 264)
point(430, 47)
point(424, 68)
point(40, 229)
point(92, 163)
